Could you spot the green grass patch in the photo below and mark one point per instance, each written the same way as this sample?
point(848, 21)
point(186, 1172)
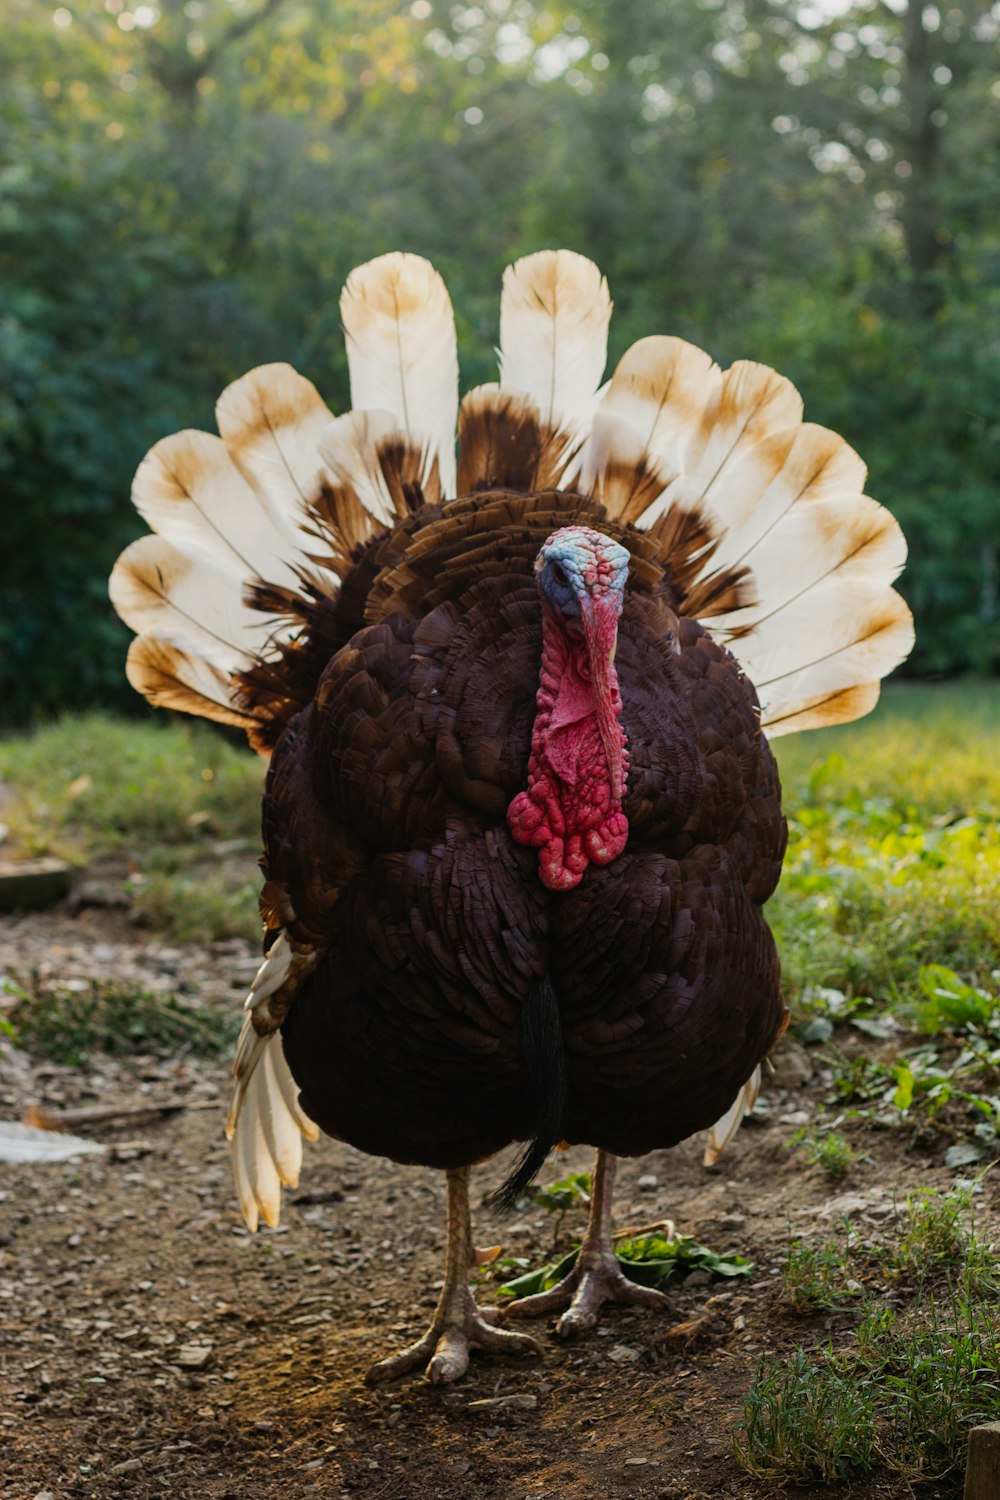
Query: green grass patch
point(919, 1371)
point(190, 908)
point(894, 847)
point(70, 1025)
point(91, 785)
point(827, 1149)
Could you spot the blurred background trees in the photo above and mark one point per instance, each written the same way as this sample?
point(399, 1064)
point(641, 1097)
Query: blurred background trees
point(184, 187)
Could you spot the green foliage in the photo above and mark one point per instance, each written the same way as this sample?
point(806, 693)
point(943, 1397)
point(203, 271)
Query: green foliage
point(827, 1149)
point(953, 1005)
point(182, 193)
point(191, 908)
point(649, 1259)
point(806, 1417)
point(894, 850)
point(903, 1398)
point(564, 1193)
point(92, 785)
point(816, 1276)
point(916, 1375)
point(70, 1025)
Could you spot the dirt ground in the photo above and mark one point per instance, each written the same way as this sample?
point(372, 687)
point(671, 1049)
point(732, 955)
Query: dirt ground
point(151, 1346)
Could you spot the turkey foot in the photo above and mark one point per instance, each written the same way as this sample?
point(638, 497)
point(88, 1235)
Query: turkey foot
point(597, 1276)
point(458, 1325)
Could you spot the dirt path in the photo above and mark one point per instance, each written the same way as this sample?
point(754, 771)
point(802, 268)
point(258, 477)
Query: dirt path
point(151, 1347)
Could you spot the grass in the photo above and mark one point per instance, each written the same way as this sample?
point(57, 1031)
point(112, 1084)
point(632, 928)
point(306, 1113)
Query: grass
point(93, 785)
point(922, 1368)
point(894, 845)
point(827, 1149)
point(69, 1025)
point(166, 795)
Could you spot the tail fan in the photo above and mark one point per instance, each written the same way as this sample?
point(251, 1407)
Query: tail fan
point(760, 519)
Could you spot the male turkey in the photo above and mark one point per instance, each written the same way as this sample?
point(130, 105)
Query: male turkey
point(513, 879)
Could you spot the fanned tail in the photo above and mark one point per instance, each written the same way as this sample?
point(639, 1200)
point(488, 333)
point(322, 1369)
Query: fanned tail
point(787, 561)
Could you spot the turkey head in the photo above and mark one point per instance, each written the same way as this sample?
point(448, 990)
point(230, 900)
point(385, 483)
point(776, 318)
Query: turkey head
point(572, 808)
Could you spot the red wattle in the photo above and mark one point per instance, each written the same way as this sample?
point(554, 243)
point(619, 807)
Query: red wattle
point(571, 811)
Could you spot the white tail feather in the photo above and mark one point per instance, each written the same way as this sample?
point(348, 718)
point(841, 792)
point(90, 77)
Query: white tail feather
point(188, 490)
point(349, 446)
point(158, 590)
point(265, 1126)
point(724, 1130)
point(662, 388)
point(401, 351)
point(554, 315)
point(271, 421)
point(168, 670)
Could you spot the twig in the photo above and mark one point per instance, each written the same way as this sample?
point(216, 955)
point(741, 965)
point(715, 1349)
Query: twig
point(63, 1119)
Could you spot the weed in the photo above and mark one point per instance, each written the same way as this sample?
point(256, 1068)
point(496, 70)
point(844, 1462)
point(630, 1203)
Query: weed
point(919, 1372)
point(828, 1150)
point(816, 1276)
point(69, 1025)
point(805, 1417)
point(904, 1397)
point(187, 909)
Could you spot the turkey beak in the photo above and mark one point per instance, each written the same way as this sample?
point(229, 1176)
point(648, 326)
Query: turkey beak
point(599, 620)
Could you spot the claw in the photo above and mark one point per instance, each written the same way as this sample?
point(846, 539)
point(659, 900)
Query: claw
point(586, 1289)
point(459, 1325)
point(596, 1276)
point(453, 1334)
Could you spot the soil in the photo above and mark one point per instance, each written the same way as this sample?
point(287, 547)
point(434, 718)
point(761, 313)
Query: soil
point(151, 1346)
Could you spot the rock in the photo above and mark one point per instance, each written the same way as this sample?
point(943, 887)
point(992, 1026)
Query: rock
point(192, 1356)
point(29, 883)
point(792, 1065)
point(623, 1354)
point(127, 1466)
point(648, 1183)
point(101, 893)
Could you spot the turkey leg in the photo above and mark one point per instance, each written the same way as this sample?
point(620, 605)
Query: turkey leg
point(459, 1324)
point(596, 1277)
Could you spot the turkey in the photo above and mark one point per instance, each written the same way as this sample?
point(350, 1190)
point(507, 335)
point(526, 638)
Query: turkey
point(521, 814)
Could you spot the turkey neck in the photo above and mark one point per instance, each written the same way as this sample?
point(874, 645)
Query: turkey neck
point(578, 767)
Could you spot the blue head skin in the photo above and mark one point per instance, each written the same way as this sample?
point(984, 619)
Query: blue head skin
point(579, 568)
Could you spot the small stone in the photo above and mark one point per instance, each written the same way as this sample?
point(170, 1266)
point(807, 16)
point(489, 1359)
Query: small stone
point(635, 1462)
point(127, 1466)
point(792, 1065)
point(734, 1221)
point(648, 1184)
point(623, 1354)
point(192, 1356)
point(697, 1278)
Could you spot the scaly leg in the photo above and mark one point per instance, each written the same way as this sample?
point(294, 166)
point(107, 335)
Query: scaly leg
point(458, 1325)
point(596, 1277)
